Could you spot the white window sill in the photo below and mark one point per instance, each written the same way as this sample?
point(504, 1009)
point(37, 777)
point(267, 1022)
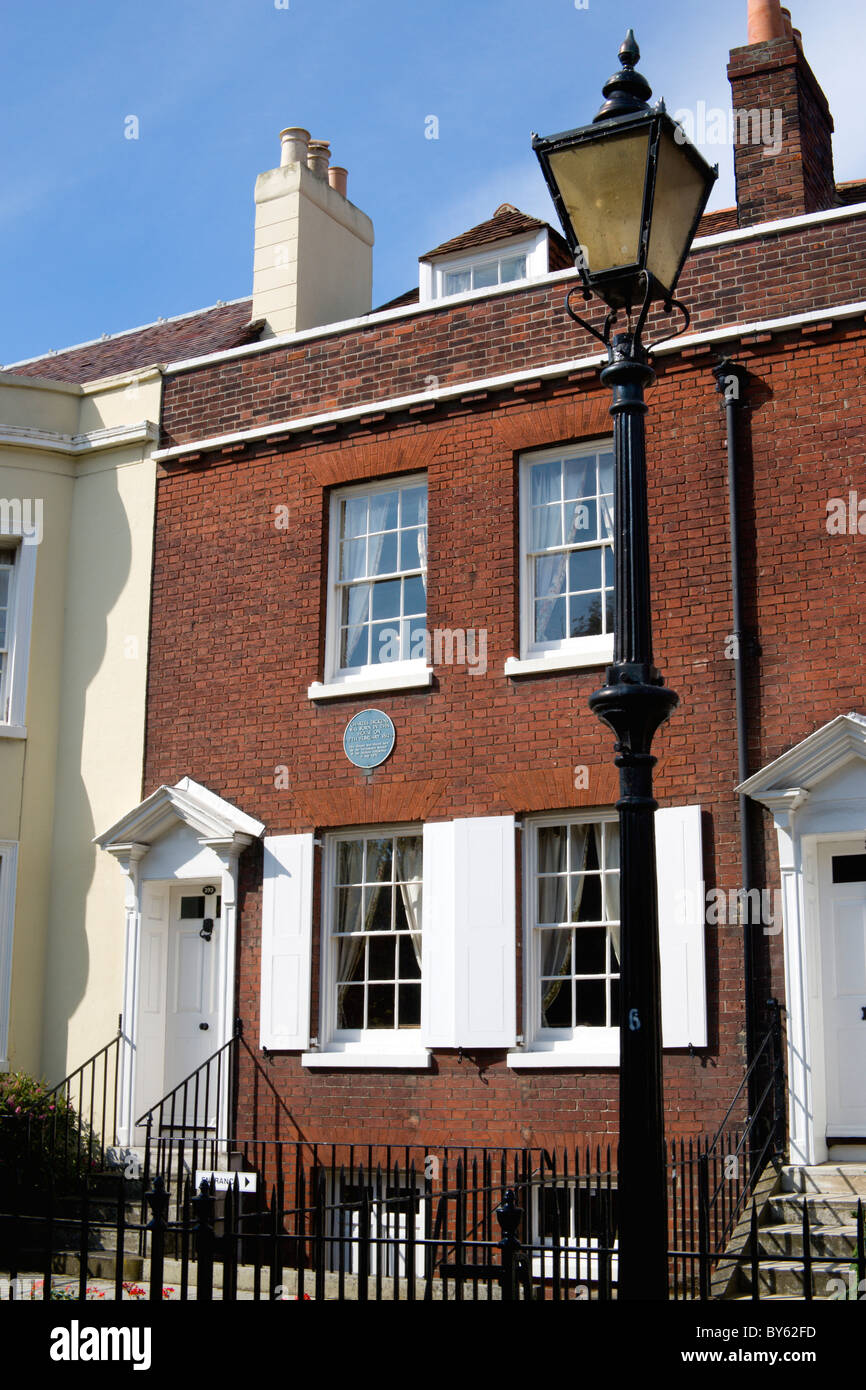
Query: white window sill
point(532, 1061)
point(13, 731)
point(600, 654)
point(406, 676)
point(378, 1061)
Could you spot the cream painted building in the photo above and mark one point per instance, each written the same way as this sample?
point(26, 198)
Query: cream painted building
point(76, 523)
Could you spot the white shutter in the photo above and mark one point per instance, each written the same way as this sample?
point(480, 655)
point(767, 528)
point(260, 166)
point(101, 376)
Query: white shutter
point(680, 877)
point(469, 933)
point(438, 999)
point(287, 930)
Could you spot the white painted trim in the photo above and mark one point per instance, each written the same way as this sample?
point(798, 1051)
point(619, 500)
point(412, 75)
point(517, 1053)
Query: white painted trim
point(375, 1043)
point(598, 655)
point(802, 826)
point(760, 230)
point(14, 686)
point(8, 878)
point(110, 438)
point(820, 754)
point(434, 269)
point(394, 675)
point(224, 830)
point(538, 1057)
point(379, 1061)
point(572, 651)
point(502, 382)
point(590, 1047)
point(209, 815)
point(408, 675)
point(777, 228)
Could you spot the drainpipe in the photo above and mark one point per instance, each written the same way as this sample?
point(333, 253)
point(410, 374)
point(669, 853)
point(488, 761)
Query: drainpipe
point(730, 383)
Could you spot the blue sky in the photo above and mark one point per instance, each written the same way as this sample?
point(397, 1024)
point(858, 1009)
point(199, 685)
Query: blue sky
point(100, 233)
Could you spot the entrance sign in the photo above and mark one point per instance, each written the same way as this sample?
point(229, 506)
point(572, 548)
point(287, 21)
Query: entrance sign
point(368, 738)
point(223, 1181)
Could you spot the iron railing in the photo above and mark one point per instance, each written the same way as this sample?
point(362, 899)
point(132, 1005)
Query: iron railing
point(367, 1234)
point(730, 1166)
point(68, 1130)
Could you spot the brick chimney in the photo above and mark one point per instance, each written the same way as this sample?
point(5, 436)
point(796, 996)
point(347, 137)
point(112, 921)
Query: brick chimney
point(783, 157)
point(313, 261)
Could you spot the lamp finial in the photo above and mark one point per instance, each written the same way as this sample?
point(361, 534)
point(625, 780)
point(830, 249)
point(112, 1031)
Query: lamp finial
point(627, 91)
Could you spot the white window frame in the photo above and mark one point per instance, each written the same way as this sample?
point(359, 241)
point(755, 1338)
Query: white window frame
point(376, 1047)
point(412, 673)
point(13, 682)
point(394, 1227)
point(570, 652)
point(432, 273)
point(574, 1047)
point(8, 877)
point(578, 1253)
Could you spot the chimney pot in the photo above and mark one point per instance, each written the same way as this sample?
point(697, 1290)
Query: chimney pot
point(293, 145)
point(766, 21)
point(318, 156)
point(786, 20)
point(337, 177)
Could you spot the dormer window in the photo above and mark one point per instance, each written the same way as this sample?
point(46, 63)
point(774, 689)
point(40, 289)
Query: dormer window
point(509, 248)
point(479, 274)
point(484, 267)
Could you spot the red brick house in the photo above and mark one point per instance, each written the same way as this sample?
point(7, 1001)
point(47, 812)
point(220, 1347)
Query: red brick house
point(408, 512)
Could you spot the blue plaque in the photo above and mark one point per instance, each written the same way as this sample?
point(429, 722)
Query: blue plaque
point(369, 738)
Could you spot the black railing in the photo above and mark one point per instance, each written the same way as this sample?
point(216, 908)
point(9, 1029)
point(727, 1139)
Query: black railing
point(91, 1093)
point(373, 1234)
point(68, 1128)
point(731, 1166)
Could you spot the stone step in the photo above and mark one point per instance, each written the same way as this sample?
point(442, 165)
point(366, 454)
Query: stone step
point(101, 1264)
point(785, 1278)
point(785, 1241)
point(827, 1179)
point(137, 1271)
point(787, 1208)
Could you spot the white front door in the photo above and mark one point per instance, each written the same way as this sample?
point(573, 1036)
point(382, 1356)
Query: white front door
point(843, 945)
point(191, 1009)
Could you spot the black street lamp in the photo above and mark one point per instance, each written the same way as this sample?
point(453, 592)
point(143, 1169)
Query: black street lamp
point(630, 190)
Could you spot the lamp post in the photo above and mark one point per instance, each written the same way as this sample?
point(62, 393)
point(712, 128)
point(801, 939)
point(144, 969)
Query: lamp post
point(630, 190)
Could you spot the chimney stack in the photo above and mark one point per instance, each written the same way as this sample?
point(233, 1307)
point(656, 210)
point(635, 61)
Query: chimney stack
point(783, 154)
point(313, 261)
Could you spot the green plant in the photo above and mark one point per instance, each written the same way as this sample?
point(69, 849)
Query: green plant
point(44, 1142)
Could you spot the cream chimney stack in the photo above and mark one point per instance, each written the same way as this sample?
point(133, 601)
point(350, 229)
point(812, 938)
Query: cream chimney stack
point(313, 261)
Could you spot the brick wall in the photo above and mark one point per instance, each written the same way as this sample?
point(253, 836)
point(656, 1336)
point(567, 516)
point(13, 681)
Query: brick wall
point(769, 277)
point(238, 620)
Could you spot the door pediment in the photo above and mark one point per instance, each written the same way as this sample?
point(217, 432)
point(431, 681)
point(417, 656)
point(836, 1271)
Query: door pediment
point(802, 772)
point(169, 811)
